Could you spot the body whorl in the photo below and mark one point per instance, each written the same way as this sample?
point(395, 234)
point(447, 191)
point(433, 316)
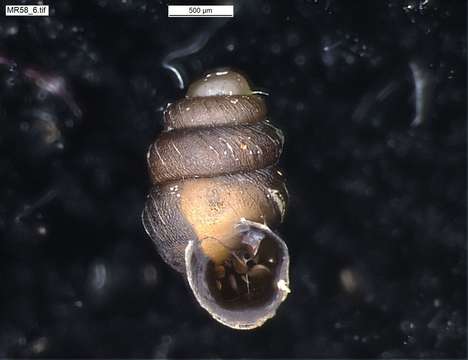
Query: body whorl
point(213, 170)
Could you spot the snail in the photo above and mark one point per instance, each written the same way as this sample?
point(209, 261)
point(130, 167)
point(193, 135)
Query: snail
point(216, 194)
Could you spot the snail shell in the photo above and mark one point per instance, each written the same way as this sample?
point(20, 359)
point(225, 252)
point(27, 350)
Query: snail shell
point(216, 195)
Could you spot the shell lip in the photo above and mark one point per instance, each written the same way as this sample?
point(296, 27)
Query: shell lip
point(243, 318)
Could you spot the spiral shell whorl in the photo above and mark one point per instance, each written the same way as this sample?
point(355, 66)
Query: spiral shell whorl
point(212, 136)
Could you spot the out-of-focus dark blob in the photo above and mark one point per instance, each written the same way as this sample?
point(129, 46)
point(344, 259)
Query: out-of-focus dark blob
point(48, 110)
point(55, 85)
point(38, 111)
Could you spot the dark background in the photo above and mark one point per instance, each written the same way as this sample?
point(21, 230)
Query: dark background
point(377, 217)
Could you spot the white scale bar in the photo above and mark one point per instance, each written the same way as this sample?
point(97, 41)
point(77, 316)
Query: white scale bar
point(200, 10)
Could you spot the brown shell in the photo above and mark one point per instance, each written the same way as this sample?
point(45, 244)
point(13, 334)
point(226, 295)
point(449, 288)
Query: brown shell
point(189, 209)
point(213, 168)
point(214, 111)
point(204, 152)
